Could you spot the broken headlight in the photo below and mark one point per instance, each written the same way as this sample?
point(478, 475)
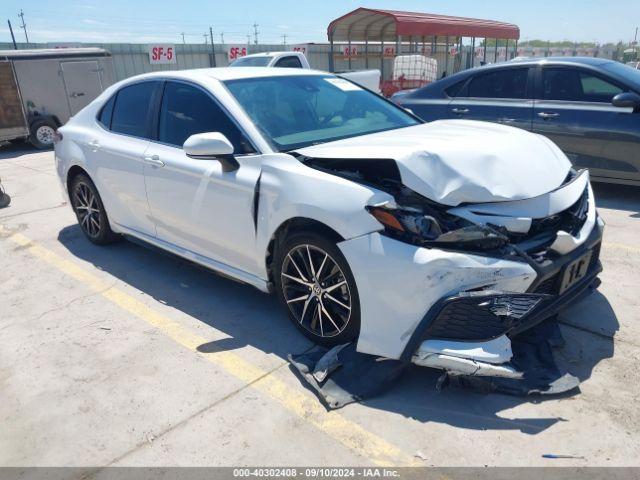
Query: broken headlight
point(414, 226)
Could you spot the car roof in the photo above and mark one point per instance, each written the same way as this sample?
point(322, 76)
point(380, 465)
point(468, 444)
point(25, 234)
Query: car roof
point(525, 62)
point(593, 61)
point(230, 73)
point(270, 54)
point(529, 61)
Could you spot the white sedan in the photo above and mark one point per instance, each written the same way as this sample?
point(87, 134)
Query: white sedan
point(433, 243)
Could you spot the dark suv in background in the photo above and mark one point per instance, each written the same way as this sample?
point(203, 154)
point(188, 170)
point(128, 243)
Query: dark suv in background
point(589, 107)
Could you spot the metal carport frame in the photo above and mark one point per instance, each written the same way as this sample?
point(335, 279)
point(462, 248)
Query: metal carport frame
point(366, 24)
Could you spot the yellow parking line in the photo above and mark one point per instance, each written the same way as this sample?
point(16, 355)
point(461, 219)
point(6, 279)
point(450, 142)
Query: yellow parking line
point(296, 401)
point(621, 246)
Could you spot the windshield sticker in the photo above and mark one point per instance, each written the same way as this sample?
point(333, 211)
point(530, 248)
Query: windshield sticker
point(343, 84)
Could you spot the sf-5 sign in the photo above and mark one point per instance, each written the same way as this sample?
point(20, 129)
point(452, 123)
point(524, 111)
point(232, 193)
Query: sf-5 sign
point(162, 54)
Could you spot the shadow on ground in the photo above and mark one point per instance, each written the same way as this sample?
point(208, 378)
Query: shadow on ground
point(15, 149)
point(618, 197)
point(250, 317)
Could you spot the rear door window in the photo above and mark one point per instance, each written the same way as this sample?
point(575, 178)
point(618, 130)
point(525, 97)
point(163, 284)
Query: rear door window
point(131, 109)
point(187, 110)
point(574, 85)
point(505, 83)
point(289, 62)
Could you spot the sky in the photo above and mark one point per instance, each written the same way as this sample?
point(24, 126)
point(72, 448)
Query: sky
point(146, 21)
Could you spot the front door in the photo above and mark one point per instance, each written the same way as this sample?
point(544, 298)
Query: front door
point(500, 96)
point(573, 108)
point(82, 83)
point(195, 204)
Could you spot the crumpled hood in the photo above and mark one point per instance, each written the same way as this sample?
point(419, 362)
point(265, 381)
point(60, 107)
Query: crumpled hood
point(461, 161)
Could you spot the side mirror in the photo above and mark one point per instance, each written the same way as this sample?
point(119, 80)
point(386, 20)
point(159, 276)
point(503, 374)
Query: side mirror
point(627, 100)
point(211, 146)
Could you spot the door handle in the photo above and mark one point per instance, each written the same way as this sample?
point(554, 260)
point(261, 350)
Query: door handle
point(154, 160)
point(77, 94)
point(547, 115)
point(460, 111)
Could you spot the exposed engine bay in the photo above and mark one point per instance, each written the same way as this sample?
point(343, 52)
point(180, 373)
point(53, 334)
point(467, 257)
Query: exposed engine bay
point(420, 221)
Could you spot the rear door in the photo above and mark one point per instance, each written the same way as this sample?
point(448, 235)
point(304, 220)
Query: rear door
point(573, 108)
point(500, 95)
point(82, 83)
point(115, 151)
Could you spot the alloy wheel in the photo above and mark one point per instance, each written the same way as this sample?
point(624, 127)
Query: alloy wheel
point(316, 290)
point(87, 208)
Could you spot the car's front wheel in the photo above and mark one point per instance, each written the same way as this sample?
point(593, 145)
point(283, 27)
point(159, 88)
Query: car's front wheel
point(90, 211)
point(315, 283)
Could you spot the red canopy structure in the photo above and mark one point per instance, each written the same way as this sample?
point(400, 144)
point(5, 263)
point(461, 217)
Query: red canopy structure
point(365, 24)
point(410, 29)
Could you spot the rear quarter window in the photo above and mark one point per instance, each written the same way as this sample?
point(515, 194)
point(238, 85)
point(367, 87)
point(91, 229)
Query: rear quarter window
point(455, 89)
point(104, 118)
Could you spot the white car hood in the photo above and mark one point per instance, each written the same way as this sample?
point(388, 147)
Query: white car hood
point(461, 161)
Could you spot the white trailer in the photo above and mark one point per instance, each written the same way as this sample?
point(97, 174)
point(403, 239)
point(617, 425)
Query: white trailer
point(41, 89)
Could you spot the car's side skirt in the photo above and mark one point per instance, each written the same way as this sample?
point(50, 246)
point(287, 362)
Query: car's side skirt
point(218, 267)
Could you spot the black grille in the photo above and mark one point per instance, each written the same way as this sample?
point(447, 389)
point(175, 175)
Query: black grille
point(551, 285)
point(570, 220)
point(481, 317)
point(548, 286)
point(543, 231)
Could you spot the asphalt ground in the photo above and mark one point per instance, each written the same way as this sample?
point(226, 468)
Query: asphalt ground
point(122, 355)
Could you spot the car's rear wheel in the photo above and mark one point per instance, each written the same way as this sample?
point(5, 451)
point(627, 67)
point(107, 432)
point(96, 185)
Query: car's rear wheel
point(90, 211)
point(315, 283)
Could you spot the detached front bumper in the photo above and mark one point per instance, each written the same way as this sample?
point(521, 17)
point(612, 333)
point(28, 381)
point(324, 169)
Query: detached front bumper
point(453, 310)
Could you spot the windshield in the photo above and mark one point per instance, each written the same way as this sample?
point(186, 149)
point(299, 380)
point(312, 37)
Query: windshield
point(298, 111)
point(251, 62)
point(624, 72)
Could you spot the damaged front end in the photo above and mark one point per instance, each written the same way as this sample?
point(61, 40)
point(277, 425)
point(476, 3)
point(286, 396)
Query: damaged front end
point(449, 286)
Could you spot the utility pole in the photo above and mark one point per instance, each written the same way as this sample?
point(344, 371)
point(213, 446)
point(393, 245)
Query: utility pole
point(635, 38)
point(255, 33)
point(24, 25)
point(249, 39)
point(284, 39)
point(213, 48)
point(222, 38)
point(206, 38)
point(182, 38)
point(13, 38)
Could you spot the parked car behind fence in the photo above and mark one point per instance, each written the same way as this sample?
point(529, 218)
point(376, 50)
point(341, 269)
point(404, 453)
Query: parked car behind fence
point(589, 107)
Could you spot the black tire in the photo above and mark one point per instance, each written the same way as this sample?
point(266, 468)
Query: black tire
point(41, 133)
point(5, 200)
point(335, 286)
point(90, 211)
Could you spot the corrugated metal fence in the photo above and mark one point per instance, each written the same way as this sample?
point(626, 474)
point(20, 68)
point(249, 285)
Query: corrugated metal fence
point(131, 59)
